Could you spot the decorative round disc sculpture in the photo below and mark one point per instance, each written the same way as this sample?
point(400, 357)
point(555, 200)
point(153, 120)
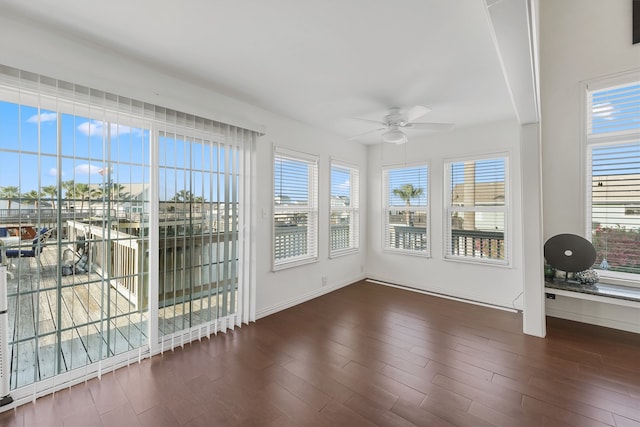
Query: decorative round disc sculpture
point(568, 252)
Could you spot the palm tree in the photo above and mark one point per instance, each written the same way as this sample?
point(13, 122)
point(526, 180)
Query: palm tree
point(52, 192)
point(83, 192)
point(407, 192)
point(9, 193)
point(183, 196)
point(115, 191)
point(32, 197)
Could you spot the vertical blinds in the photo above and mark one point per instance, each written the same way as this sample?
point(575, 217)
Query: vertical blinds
point(613, 135)
point(99, 153)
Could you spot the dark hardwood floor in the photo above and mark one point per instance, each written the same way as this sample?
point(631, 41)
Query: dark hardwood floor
point(369, 355)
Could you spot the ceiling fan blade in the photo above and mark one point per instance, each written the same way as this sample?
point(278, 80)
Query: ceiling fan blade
point(430, 126)
point(416, 112)
point(378, 122)
point(366, 133)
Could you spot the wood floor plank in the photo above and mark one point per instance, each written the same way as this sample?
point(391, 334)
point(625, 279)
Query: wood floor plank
point(363, 355)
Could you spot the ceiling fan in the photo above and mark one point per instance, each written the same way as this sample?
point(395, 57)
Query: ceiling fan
point(394, 124)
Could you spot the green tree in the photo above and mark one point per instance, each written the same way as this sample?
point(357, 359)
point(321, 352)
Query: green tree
point(183, 196)
point(115, 191)
point(83, 192)
point(52, 192)
point(9, 193)
point(32, 198)
point(407, 192)
point(69, 188)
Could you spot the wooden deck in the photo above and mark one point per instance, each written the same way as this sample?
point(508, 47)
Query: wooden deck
point(94, 321)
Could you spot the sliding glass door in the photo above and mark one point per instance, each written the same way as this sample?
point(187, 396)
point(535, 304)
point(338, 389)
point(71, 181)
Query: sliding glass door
point(125, 228)
point(198, 231)
point(73, 213)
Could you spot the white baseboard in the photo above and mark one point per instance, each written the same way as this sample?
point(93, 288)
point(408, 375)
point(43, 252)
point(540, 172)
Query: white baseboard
point(444, 293)
point(594, 320)
point(306, 297)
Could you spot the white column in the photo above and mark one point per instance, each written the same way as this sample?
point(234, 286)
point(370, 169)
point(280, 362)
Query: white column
point(533, 319)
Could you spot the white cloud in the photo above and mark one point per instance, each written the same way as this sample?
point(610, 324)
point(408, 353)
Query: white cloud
point(97, 128)
point(44, 117)
point(344, 186)
point(87, 169)
point(54, 172)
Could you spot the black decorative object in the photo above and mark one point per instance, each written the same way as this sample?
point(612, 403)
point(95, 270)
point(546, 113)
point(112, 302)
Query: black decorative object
point(569, 253)
point(636, 21)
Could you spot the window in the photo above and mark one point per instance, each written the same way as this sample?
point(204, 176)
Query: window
point(295, 208)
point(345, 209)
point(138, 224)
point(406, 209)
point(613, 176)
point(477, 210)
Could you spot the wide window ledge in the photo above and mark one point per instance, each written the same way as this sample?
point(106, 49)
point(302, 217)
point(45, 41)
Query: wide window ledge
point(479, 261)
point(411, 252)
point(294, 263)
point(602, 292)
point(343, 252)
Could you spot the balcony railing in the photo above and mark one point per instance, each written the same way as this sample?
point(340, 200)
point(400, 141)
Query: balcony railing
point(478, 244)
point(292, 240)
point(408, 237)
point(340, 237)
point(471, 243)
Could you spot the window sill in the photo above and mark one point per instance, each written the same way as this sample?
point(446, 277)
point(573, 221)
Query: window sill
point(338, 254)
point(479, 261)
point(601, 292)
point(421, 254)
point(292, 264)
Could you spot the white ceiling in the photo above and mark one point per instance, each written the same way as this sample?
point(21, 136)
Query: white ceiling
point(321, 62)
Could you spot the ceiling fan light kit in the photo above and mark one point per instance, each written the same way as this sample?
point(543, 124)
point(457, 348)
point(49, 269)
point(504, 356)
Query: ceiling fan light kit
point(394, 136)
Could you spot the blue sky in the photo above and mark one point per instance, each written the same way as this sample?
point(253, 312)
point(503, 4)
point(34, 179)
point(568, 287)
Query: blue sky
point(417, 176)
point(28, 146)
point(83, 153)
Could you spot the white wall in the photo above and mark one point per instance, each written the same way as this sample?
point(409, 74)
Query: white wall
point(55, 54)
point(579, 40)
point(490, 284)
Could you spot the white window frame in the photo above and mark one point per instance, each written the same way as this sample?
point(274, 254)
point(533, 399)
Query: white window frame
point(352, 211)
point(505, 209)
point(386, 208)
point(311, 209)
point(599, 140)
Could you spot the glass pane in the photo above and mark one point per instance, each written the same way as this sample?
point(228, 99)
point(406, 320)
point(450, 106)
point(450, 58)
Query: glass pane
point(74, 242)
point(478, 183)
point(407, 230)
point(407, 187)
point(291, 237)
point(615, 206)
point(198, 234)
point(478, 235)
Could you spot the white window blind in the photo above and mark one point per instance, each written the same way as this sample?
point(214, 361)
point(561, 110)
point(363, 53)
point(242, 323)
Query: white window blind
point(406, 209)
point(345, 209)
point(613, 165)
point(476, 210)
point(295, 208)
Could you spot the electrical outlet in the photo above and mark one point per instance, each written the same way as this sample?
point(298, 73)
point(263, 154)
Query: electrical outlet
point(324, 280)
